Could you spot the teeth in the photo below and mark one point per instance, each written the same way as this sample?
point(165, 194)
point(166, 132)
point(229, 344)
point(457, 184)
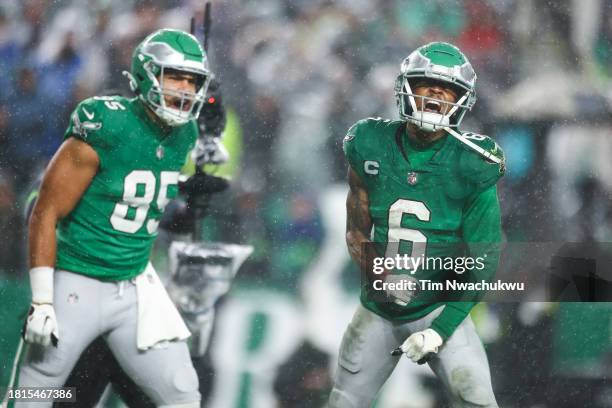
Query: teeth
point(432, 106)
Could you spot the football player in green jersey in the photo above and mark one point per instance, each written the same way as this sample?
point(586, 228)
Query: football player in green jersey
point(95, 220)
point(421, 187)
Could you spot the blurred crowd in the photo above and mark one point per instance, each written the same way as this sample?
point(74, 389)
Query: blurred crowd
point(296, 74)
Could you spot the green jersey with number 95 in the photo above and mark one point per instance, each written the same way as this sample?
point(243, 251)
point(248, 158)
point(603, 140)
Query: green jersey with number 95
point(427, 201)
point(110, 232)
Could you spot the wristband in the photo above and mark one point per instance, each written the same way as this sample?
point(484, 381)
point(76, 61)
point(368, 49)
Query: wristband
point(41, 282)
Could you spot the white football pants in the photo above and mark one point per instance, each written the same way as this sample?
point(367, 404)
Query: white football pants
point(365, 361)
point(87, 308)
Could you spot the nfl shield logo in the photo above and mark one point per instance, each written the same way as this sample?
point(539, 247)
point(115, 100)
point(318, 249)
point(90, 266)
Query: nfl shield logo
point(412, 178)
point(73, 298)
point(159, 152)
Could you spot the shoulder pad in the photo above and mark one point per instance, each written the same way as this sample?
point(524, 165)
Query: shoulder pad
point(86, 117)
point(484, 147)
point(489, 149)
point(89, 115)
point(107, 104)
point(363, 139)
point(478, 165)
point(365, 125)
point(357, 128)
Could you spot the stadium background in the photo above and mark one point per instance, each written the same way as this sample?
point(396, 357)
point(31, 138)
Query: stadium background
point(295, 75)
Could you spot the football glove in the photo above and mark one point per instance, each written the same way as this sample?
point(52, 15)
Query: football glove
point(40, 326)
point(420, 346)
point(402, 295)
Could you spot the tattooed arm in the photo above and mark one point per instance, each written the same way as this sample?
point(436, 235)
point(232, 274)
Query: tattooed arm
point(359, 224)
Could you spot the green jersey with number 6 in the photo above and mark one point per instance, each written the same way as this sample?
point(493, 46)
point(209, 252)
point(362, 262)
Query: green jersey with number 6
point(110, 232)
point(431, 201)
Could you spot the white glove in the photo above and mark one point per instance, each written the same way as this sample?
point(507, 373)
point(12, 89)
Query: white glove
point(41, 324)
point(407, 287)
point(419, 345)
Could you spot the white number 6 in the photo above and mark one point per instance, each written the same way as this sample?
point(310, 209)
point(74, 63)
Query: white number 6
point(397, 233)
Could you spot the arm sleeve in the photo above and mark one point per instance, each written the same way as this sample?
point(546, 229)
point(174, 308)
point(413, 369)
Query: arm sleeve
point(482, 234)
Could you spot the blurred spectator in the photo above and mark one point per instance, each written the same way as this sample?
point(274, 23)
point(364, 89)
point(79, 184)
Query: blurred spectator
point(431, 20)
point(295, 234)
point(28, 147)
point(602, 50)
point(10, 53)
point(4, 136)
point(33, 23)
point(483, 41)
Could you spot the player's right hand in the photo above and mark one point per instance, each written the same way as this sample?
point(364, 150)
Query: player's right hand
point(420, 346)
point(41, 325)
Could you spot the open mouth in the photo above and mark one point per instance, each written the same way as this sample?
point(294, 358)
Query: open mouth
point(176, 104)
point(432, 106)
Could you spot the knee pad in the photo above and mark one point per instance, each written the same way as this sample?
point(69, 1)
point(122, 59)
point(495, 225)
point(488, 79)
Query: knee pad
point(185, 379)
point(182, 391)
point(470, 390)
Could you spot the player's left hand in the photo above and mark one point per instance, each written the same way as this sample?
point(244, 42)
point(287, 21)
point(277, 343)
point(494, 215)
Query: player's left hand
point(420, 346)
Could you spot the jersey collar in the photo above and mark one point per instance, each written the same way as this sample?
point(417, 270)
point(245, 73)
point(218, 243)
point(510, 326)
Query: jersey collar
point(404, 145)
point(161, 131)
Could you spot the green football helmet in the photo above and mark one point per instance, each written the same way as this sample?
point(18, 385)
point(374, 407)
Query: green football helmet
point(161, 52)
point(437, 61)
